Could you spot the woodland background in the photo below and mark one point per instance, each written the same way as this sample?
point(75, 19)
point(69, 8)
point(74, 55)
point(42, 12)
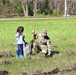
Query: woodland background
point(20, 8)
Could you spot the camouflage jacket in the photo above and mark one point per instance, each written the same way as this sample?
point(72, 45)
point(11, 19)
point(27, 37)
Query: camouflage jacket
point(42, 39)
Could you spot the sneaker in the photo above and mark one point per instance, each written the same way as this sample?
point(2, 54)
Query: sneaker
point(21, 56)
point(17, 56)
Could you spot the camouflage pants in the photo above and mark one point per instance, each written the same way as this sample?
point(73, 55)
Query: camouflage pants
point(45, 48)
point(49, 45)
point(34, 45)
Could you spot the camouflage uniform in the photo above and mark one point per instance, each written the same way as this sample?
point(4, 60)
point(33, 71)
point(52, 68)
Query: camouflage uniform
point(42, 43)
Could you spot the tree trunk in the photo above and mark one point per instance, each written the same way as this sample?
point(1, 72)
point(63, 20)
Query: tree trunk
point(4, 7)
point(26, 8)
point(35, 7)
point(23, 7)
point(65, 12)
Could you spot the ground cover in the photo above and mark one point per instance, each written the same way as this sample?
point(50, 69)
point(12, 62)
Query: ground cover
point(62, 33)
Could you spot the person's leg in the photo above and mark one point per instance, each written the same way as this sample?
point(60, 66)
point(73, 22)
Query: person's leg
point(43, 48)
point(21, 50)
point(36, 47)
point(17, 52)
point(31, 46)
point(49, 48)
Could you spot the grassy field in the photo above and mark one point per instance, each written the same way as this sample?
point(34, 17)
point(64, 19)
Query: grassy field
point(62, 33)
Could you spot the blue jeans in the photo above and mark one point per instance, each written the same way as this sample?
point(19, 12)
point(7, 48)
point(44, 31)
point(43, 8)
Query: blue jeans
point(20, 50)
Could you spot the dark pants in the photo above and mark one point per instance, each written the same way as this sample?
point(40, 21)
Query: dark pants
point(20, 50)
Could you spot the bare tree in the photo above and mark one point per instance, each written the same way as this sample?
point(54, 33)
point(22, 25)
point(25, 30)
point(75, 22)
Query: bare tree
point(4, 7)
point(35, 7)
point(25, 7)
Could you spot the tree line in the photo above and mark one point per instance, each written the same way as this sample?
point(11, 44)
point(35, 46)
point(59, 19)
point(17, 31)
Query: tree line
point(11, 8)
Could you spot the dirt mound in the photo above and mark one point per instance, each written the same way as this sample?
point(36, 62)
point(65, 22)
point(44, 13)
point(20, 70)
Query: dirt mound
point(74, 53)
point(54, 71)
point(57, 70)
point(6, 62)
point(1, 54)
point(7, 53)
point(24, 73)
point(4, 72)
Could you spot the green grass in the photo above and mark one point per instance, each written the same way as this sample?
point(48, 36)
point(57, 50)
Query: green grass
point(62, 33)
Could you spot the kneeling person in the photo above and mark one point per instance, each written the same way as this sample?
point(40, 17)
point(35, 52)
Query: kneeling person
point(42, 43)
point(45, 43)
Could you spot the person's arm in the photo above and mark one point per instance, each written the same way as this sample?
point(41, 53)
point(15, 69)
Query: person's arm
point(17, 36)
